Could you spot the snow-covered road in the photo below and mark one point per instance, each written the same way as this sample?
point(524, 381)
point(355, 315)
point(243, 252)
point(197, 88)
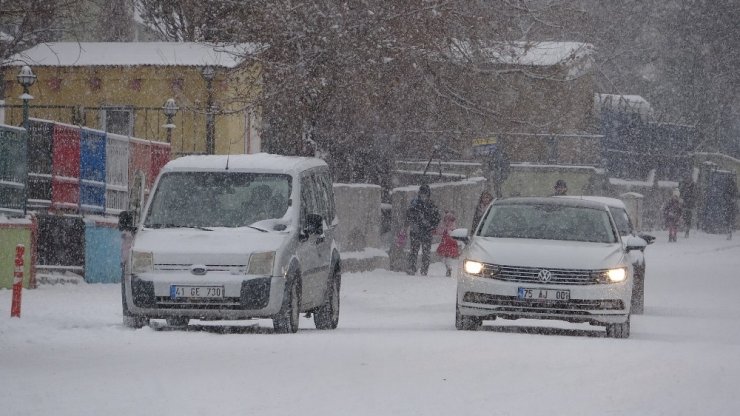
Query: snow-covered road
point(396, 352)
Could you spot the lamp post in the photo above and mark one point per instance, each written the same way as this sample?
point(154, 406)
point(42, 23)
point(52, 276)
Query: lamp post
point(26, 78)
point(170, 109)
point(209, 73)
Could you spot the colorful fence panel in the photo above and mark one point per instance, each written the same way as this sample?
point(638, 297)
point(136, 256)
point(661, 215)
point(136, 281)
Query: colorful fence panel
point(160, 157)
point(13, 170)
point(61, 243)
point(65, 181)
point(11, 234)
point(40, 151)
point(92, 170)
point(116, 173)
point(102, 253)
point(140, 158)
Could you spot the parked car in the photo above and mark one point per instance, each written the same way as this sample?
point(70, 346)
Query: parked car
point(236, 237)
point(626, 230)
point(546, 258)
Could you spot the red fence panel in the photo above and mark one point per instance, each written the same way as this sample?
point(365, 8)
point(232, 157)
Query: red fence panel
point(65, 171)
point(140, 158)
point(160, 157)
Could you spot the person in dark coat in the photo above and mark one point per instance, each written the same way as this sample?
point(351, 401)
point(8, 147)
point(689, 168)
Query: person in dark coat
point(730, 196)
point(422, 218)
point(672, 215)
point(485, 199)
point(687, 189)
point(560, 188)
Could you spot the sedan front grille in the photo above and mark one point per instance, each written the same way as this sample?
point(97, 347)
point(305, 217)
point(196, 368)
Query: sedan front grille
point(534, 275)
point(572, 306)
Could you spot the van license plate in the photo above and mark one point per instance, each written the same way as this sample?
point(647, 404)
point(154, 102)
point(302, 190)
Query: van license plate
point(199, 292)
point(543, 294)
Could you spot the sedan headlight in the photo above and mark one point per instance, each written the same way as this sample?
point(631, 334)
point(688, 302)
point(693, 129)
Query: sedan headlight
point(142, 261)
point(261, 263)
point(473, 267)
point(617, 275)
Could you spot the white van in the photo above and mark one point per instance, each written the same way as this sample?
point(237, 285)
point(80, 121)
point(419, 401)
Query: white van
point(236, 237)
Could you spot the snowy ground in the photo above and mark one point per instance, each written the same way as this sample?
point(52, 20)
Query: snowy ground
point(396, 353)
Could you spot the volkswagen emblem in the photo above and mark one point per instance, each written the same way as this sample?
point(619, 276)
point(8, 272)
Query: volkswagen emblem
point(544, 275)
point(198, 269)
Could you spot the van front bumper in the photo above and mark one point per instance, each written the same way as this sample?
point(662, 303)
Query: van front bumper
point(150, 295)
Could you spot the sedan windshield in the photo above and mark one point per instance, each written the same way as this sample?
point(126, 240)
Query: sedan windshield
point(218, 199)
point(549, 222)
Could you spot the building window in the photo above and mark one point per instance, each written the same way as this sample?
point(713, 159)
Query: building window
point(118, 120)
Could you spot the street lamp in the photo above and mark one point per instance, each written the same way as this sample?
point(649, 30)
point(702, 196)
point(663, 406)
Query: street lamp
point(170, 109)
point(209, 73)
point(26, 78)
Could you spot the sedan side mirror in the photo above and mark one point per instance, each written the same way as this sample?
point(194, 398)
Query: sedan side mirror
point(649, 239)
point(632, 243)
point(460, 234)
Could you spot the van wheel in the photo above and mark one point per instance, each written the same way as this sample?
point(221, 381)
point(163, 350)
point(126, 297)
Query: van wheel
point(618, 330)
point(327, 316)
point(129, 320)
point(466, 322)
point(286, 322)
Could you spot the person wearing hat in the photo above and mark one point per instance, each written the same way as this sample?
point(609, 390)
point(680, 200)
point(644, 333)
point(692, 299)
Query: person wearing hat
point(561, 188)
point(672, 212)
point(422, 219)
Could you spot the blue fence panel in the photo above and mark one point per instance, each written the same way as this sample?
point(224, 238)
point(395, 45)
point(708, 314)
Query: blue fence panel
point(102, 253)
point(92, 170)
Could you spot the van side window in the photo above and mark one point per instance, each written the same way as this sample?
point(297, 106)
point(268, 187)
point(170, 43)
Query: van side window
point(326, 193)
point(308, 202)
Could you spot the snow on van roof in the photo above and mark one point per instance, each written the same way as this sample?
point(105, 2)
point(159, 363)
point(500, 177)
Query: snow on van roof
point(262, 162)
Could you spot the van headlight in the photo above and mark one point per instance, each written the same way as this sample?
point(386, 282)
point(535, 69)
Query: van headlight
point(617, 275)
point(473, 267)
point(142, 261)
point(261, 263)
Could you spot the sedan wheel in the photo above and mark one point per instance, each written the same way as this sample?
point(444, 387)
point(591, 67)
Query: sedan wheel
point(466, 322)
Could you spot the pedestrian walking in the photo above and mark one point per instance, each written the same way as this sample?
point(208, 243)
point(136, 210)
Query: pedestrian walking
point(672, 215)
point(561, 188)
point(687, 190)
point(448, 248)
point(483, 201)
point(422, 219)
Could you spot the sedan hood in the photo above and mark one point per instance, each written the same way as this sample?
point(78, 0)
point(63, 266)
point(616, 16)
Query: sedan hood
point(545, 253)
point(220, 246)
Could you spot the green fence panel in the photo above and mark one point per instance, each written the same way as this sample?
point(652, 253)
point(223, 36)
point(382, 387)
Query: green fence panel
point(13, 170)
point(10, 236)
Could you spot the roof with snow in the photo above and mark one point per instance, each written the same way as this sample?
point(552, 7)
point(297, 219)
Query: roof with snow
point(133, 54)
point(577, 57)
point(259, 162)
point(626, 103)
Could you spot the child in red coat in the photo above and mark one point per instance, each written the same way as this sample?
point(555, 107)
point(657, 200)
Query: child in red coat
point(448, 248)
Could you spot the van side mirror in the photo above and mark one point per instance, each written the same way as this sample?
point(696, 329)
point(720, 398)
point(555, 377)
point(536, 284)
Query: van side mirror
point(126, 221)
point(460, 234)
point(314, 225)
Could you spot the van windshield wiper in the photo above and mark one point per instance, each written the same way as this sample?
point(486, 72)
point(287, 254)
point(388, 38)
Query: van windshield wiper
point(256, 228)
point(177, 226)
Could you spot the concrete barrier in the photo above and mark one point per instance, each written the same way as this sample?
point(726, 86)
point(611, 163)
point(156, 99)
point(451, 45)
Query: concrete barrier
point(358, 234)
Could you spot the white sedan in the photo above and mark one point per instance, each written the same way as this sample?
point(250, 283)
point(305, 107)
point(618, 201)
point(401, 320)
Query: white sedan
point(546, 258)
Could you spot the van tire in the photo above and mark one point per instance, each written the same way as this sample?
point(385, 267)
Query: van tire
point(286, 321)
point(129, 320)
point(327, 316)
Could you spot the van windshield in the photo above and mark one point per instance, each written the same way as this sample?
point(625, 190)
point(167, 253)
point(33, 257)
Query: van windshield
point(218, 199)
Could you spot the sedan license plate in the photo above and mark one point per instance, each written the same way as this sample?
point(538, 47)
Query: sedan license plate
point(198, 292)
point(543, 294)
